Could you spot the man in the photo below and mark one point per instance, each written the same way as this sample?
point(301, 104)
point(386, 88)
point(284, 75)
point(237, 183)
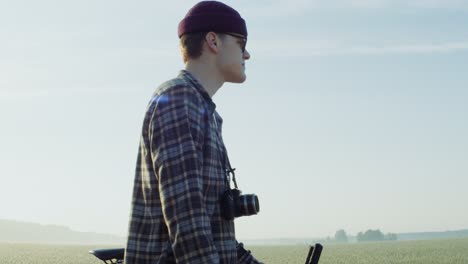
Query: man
point(181, 167)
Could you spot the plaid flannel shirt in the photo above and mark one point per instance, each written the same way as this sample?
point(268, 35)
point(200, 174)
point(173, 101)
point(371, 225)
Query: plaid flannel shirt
point(175, 216)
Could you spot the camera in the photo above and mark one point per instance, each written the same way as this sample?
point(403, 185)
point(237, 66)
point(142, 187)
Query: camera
point(233, 204)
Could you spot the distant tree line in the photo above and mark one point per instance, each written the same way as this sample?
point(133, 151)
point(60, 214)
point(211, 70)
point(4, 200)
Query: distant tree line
point(369, 235)
point(341, 236)
point(375, 235)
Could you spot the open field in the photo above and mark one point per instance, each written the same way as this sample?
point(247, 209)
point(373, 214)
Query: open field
point(447, 251)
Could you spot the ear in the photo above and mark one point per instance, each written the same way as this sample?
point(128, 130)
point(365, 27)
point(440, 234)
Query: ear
point(212, 41)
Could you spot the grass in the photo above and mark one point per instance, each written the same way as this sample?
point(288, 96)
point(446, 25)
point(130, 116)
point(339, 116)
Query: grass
point(47, 254)
point(446, 251)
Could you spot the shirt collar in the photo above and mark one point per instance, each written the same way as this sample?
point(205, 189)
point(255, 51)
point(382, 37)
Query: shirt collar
point(187, 75)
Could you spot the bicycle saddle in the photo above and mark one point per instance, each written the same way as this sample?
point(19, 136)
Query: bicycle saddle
point(109, 253)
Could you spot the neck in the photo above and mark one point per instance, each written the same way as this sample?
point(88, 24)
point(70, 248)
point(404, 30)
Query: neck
point(206, 74)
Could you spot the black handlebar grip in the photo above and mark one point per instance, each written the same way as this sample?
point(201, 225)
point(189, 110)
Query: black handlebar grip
point(316, 256)
point(311, 249)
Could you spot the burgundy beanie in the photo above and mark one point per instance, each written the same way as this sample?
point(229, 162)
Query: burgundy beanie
point(212, 16)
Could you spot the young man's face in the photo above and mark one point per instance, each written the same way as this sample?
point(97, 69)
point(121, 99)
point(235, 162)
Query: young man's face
point(232, 58)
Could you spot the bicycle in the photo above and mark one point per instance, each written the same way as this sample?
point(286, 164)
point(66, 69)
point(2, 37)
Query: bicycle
point(116, 255)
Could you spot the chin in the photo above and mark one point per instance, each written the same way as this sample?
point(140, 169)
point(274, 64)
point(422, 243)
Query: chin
point(234, 74)
point(238, 79)
point(242, 79)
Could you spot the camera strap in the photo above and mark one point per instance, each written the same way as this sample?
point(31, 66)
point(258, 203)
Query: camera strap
point(230, 170)
point(224, 156)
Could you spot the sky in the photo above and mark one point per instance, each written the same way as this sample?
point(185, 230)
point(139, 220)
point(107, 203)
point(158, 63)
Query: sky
point(353, 115)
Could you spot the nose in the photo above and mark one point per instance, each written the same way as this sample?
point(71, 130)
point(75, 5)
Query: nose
point(246, 55)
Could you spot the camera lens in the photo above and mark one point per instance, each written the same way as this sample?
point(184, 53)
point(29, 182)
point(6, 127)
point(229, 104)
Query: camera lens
point(249, 204)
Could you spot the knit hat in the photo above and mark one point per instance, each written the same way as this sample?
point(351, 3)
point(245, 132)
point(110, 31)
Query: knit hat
point(212, 16)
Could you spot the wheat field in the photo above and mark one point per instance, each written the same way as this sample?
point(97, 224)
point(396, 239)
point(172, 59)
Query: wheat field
point(446, 251)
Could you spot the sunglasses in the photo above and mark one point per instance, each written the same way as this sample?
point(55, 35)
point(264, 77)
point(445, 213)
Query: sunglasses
point(242, 38)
